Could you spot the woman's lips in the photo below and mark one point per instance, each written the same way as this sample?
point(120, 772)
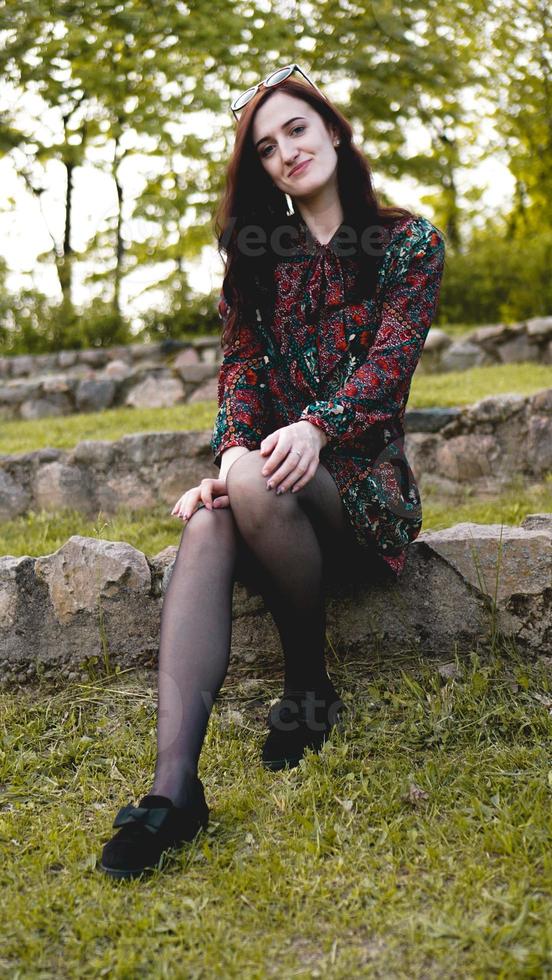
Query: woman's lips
point(300, 168)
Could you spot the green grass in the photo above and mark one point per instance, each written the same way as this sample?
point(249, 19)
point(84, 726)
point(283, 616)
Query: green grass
point(428, 391)
point(417, 844)
point(464, 387)
point(18, 436)
point(151, 530)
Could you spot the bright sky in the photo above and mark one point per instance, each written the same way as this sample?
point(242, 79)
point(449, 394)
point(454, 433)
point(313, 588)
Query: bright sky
point(24, 233)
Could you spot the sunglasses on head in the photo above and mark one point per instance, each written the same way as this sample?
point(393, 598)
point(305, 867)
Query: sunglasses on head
point(274, 78)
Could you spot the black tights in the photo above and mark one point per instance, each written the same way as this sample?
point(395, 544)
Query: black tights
point(286, 537)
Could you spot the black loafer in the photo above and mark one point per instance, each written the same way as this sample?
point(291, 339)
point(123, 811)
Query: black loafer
point(300, 720)
point(149, 829)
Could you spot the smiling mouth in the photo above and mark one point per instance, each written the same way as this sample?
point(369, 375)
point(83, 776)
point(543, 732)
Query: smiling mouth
point(300, 168)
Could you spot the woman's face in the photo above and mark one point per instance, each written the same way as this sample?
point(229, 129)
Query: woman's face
point(286, 132)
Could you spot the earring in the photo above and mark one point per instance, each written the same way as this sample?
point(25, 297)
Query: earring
point(337, 142)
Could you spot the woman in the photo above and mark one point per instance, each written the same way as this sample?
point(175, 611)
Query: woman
point(325, 314)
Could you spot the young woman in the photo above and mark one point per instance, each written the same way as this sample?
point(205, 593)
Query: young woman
point(325, 312)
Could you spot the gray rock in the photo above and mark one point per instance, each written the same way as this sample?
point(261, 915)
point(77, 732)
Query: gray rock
point(487, 335)
point(94, 358)
point(8, 591)
point(518, 349)
point(537, 522)
point(14, 499)
point(185, 358)
point(58, 486)
point(85, 568)
point(21, 364)
point(16, 392)
point(436, 340)
point(162, 566)
point(495, 409)
point(97, 600)
point(498, 560)
point(117, 369)
point(156, 393)
point(126, 490)
point(67, 358)
point(208, 391)
point(141, 352)
point(196, 372)
point(206, 343)
point(461, 355)
point(55, 383)
point(539, 327)
point(429, 419)
point(94, 395)
point(541, 401)
point(41, 408)
point(119, 353)
point(211, 354)
point(539, 445)
point(44, 363)
point(467, 457)
point(96, 454)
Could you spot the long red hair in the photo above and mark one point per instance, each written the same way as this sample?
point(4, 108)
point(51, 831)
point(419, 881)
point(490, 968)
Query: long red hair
point(250, 198)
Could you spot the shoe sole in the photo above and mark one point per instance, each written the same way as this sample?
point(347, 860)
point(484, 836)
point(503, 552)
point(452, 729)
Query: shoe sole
point(147, 870)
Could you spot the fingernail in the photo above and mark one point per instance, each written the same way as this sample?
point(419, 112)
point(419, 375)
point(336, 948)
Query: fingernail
point(280, 490)
point(269, 486)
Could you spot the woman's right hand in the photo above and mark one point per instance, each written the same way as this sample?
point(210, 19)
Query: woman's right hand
point(210, 493)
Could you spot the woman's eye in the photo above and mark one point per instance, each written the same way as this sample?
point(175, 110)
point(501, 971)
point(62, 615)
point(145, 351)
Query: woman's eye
point(269, 147)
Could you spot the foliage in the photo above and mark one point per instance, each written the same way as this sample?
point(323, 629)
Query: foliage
point(143, 100)
point(184, 316)
point(501, 276)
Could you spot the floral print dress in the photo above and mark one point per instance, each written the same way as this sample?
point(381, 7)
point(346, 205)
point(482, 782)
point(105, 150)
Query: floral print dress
point(344, 364)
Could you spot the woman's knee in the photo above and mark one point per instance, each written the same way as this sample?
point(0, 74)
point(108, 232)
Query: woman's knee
point(247, 490)
point(206, 527)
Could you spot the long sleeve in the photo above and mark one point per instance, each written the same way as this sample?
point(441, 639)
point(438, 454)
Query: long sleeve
point(378, 389)
point(243, 394)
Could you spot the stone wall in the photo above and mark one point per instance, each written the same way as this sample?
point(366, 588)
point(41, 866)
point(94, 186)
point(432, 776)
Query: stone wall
point(96, 604)
point(164, 374)
point(482, 445)
point(497, 343)
point(139, 376)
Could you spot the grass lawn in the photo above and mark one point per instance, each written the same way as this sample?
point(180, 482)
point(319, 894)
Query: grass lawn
point(428, 391)
point(151, 530)
point(417, 844)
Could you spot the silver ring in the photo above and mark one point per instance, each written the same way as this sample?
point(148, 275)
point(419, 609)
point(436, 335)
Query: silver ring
point(297, 451)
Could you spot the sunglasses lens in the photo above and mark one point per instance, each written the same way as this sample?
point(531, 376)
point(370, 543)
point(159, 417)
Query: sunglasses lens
point(278, 76)
point(244, 98)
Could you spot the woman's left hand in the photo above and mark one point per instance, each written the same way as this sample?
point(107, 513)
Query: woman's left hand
point(286, 468)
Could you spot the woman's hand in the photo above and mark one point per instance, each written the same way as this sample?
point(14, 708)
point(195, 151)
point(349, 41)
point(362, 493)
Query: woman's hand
point(285, 468)
point(210, 493)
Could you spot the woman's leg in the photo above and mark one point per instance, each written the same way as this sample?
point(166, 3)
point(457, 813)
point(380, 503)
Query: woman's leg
point(194, 651)
point(284, 534)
